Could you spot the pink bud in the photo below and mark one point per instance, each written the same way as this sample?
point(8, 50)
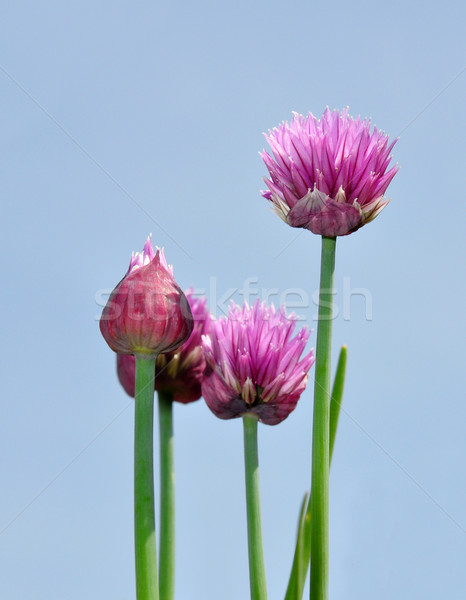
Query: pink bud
point(181, 371)
point(147, 313)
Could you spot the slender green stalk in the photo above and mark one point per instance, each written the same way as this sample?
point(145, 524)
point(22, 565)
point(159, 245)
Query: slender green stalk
point(337, 395)
point(320, 432)
point(256, 552)
point(144, 517)
point(302, 553)
point(167, 498)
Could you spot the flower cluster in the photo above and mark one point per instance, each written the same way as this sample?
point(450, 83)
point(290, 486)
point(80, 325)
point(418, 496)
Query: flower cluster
point(328, 175)
point(254, 364)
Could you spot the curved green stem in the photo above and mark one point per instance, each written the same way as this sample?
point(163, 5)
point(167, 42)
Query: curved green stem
point(320, 432)
point(256, 552)
point(167, 498)
point(144, 516)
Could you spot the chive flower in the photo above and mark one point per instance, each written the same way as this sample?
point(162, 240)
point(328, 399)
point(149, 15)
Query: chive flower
point(328, 175)
point(254, 364)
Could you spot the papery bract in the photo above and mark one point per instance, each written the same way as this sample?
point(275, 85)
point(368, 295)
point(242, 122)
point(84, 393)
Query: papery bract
point(180, 371)
point(147, 313)
point(328, 175)
point(254, 364)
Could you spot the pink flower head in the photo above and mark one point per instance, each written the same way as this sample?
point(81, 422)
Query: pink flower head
point(179, 371)
point(254, 364)
point(328, 175)
point(146, 313)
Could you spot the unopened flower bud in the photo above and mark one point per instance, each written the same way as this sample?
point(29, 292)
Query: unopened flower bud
point(147, 313)
point(181, 371)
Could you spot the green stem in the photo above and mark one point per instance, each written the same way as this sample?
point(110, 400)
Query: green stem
point(302, 553)
point(144, 517)
point(167, 498)
point(320, 432)
point(256, 552)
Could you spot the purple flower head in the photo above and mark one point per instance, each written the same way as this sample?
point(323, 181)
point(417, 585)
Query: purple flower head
point(328, 175)
point(254, 364)
point(147, 313)
point(180, 371)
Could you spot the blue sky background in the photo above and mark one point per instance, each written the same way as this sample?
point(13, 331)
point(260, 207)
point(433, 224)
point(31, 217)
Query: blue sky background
point(124, 118)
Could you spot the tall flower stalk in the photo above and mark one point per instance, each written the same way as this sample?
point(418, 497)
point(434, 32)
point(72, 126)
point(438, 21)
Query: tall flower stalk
point(329, 176)
point(178, 377)
point(167, 497)
point(255, 370)
point(147, 587)
point(302, 553)
point(257, 581)
point(321, 428)
point(147, 314)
